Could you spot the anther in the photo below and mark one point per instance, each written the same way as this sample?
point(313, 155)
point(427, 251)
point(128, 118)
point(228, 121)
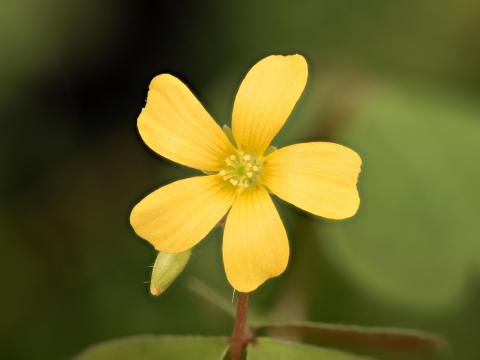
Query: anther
point(241, 169)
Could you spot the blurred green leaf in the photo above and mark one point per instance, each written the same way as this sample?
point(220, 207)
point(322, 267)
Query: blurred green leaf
point(266, 349)
point(152, 347)
point(414, 239)
point(369, 338)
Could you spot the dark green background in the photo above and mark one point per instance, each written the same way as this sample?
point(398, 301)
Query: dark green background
point(397, 81)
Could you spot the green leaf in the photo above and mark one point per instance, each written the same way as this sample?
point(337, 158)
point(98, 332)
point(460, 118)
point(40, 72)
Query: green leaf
point(414, 240)
point(270, 349)
point(366, 338)
point(154, 347)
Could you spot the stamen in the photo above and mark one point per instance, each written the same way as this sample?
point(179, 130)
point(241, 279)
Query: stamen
point(242, 170)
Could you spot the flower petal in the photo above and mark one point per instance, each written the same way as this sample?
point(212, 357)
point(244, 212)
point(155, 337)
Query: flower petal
point(255, 244)
point(177, 216)
point(265, 99)
point(175, 125)
point(318, 177)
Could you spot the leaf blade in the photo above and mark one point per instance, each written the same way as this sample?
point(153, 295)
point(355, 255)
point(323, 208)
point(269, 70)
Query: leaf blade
point(386, 339)
point(272, 349)
point(154, 347)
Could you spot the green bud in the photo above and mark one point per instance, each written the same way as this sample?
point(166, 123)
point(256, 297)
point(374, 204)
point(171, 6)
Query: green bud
point(166, 269)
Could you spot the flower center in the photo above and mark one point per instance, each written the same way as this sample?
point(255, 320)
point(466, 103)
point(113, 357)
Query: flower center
point(242, 169)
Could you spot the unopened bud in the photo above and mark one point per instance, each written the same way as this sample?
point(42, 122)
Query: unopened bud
point(166, 269)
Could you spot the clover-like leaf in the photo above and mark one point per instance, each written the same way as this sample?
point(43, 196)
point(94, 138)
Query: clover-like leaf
point(389, 339)
point(271, 349)
point(154, 347)
point(414, 239)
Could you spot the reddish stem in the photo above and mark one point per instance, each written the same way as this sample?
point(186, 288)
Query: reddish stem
point(241, 335)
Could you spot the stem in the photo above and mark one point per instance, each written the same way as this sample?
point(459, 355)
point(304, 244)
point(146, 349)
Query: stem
point(241, 335)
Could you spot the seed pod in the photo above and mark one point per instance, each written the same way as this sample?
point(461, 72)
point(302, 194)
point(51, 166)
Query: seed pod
point(166, 269)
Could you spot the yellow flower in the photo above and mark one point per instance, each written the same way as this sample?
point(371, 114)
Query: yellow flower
point(318, 177)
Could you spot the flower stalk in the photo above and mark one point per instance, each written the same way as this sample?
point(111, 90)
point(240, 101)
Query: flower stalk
point(241, 334)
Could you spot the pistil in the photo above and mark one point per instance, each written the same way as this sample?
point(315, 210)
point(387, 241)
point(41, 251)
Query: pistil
point(242, 169)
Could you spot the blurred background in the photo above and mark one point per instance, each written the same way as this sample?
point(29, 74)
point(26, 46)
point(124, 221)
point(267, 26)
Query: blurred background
point(399, 82)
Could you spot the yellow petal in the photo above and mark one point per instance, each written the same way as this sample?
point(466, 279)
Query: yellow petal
point(175, 125)
point(255, 244)
point(318, 177)
point(265, 99)
point(177, 216)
